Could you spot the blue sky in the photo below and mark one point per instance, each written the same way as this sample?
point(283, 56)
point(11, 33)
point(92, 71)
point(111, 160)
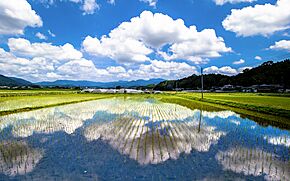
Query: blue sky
point(103, 40)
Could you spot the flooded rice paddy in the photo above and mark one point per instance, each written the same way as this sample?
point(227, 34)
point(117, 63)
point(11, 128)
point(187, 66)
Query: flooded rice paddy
point(131, 139)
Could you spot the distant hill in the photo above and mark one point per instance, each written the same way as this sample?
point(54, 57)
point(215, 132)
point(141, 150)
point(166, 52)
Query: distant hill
point(12, 81)
point(21, 81)
point(71, 83)
point(267, 73)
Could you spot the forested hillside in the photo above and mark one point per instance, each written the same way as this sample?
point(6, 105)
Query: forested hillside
point(267, 73)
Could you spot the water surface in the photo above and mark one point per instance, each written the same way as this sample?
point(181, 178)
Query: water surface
point(129, 139)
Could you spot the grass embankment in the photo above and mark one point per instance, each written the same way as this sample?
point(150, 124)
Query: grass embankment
point(16, 101)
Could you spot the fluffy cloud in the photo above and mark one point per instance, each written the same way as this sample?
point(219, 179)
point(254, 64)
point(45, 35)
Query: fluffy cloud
point(281, 45)
point(15, 15)
point(85, 70)
point(116, 70)
point(134, 41)
point(122, 49)
point(151, 2)
point(81, 69)
point(241, 69)
point(41, 36)
point(111, 1)
point(259, 20)
point(258, 57)
point(45, 65)
point(23, 48)
point(44, 61)
point(222, 2)
point(87, 6)
point(167, 70)
point(41, 68)
point(241, 61)
point(226, 70)
point(90, 6)
point(32, 69)
point(51, 34)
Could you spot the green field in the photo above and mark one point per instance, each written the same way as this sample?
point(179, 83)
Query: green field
point(274, 104)
point(19, 101)
point(273, 107)
point(11, 93)
point(278, 102)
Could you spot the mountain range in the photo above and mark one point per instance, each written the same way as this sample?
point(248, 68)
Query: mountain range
point(72, 83)
point(13, 82)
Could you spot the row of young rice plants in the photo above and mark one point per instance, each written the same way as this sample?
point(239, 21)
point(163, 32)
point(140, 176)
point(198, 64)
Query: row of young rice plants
point(145, 153)
point(121, 121)
point(141, 154)
point(126, 122)
point(172, 133)
point(166, 114)
point(185, 142)
point(137, 133)
point(167, 137)
point(161, 133)
point(262, 158)
point(181, 130)
point(254, 161)
point(16, 157)
point(128, 133)
point(153, 139)
point(129, 136)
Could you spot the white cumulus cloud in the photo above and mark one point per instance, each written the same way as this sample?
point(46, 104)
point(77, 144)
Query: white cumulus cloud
point(241, 69)
point(51, 62)
point(24, 48)
point(15, 15)
point(41, 36)
point(241, 61)
point(166, 70)
point(226, 70)
point(222, 2)
point(87, 6)
point(151, 2)
point(281, 45)
point(259, 20)
point(90, 6)
point(134, 41)
point(51, 34)
point(258, 57)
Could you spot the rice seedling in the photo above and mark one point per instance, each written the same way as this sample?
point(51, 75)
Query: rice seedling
point(17, 158)
point(238, 160)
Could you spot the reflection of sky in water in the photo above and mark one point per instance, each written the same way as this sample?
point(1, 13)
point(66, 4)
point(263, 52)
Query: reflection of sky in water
point(124, 139)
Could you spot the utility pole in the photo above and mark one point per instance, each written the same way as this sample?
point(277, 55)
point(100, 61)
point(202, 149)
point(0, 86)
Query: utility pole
point(201, 82)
